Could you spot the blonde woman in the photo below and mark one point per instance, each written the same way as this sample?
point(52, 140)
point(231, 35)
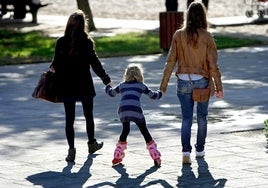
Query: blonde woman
point(130, 109)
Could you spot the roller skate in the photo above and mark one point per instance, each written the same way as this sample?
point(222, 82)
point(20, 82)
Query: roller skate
point(155, 154)
point(119, 152)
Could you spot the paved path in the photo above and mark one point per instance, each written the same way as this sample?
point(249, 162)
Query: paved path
point(33, 145)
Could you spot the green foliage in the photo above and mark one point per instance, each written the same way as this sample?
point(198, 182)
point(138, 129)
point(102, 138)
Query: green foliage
point(229, 42)
point(25, 47)
point(128, 44)
point(17, 47)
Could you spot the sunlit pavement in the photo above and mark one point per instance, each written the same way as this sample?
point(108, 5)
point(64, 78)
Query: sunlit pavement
point(33, 146)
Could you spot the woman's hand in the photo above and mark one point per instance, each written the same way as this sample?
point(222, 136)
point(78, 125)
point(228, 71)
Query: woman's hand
point(219, 94)
point(51, 69)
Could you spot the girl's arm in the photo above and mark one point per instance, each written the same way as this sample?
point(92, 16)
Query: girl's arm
point(112, 92)
point(152, 94)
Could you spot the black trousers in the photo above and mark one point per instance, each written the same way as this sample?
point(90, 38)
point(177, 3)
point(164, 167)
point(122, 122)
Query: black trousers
point(69, 107)
point(205, 2)
point(142, 127)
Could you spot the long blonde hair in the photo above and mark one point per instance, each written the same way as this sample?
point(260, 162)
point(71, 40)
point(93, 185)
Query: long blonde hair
point(133, 72)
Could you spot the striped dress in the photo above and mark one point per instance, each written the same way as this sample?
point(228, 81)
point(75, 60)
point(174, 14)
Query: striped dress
point(130, 106)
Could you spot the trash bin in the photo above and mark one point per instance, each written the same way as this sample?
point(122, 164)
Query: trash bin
point(170, 21)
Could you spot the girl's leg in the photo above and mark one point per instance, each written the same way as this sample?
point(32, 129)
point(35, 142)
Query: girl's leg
point(121, 145)
point(69, 119)
point(150, 143)
point(145, 132)
point(125, 132)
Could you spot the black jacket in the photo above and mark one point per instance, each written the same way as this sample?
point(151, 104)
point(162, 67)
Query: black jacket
point(72, 72)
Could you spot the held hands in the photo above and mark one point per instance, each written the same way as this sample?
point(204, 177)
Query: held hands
point(219, 94)
point(51, 69)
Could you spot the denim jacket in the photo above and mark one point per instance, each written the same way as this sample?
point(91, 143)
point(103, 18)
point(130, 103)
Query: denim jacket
point(201, 60)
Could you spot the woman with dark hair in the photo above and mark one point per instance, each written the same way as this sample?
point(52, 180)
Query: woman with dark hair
point(194, 52)
point(73, 58)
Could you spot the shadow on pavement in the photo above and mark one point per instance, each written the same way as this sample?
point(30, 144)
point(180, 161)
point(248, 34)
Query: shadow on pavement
point(66, 178)
point(125, 180)
point(203, 179)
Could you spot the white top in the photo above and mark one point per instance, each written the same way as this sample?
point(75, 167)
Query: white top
point(193, 76)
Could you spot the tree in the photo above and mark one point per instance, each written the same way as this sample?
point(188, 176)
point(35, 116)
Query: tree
point(84, 6)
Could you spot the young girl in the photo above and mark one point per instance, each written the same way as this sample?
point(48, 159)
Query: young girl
point(130, 110)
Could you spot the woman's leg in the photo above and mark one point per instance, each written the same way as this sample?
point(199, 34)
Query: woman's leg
point(184, 93)
point(90, 125)
point(187, 120)
point(189, 2)
point(202, 112)
point(205, 2)
point(69, 125)
point(93, 145)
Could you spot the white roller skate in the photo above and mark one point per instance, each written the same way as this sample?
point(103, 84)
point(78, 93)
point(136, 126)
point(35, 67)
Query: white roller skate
point(155, 154)
point(119, 152)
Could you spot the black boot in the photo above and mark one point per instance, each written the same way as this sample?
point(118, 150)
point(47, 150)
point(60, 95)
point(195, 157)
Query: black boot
point(71, 155)
point(94, 147)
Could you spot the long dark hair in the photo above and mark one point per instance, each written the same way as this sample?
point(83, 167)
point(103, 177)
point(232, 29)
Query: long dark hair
point(196, 18)
point(76, 29)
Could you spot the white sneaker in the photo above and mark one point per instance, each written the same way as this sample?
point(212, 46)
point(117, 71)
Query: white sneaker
point(200, 153)
point(186, 159)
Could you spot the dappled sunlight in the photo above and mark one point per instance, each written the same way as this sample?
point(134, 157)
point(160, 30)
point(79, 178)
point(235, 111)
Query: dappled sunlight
point(247, 49)
point(168, 105)
point(248, 83)
point(226, 120)
point(147, 58)
point(219, 104)
point(21, 99)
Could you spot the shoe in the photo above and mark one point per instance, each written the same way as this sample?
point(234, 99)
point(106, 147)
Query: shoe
point(199, 154)
point(71, 155)
point(92, 148)
point(186, 158)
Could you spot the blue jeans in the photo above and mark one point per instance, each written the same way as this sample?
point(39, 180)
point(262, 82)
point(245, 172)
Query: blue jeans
point(184, 93)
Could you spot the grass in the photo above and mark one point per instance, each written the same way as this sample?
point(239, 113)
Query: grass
point(16, 47)
point(32, 47)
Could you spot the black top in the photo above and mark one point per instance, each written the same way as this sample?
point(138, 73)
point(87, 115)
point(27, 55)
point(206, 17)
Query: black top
point(73, 76)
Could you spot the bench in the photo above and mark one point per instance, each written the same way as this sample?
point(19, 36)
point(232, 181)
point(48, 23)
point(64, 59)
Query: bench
point(19, 8)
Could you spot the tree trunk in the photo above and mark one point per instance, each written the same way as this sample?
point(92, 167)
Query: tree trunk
point(84, 6)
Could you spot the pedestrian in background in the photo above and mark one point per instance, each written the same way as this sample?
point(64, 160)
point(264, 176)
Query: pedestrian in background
point(205, 3)
point(130, 109)
point(194, 52)
point(74, 56)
